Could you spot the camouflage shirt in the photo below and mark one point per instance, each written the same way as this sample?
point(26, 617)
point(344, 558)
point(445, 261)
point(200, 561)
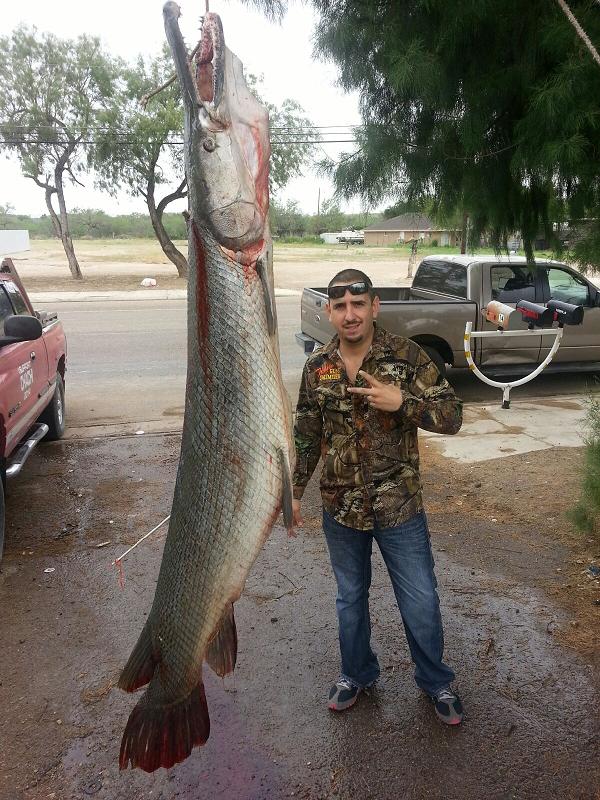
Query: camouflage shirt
point(370, 458)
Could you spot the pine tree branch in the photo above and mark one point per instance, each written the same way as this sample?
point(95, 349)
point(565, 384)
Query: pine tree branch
point(580, 32)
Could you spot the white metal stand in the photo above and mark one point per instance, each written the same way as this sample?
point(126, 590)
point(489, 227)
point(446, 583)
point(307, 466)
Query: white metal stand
point(506, 387)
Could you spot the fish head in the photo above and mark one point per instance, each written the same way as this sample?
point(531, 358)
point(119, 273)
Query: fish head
point(227, 138)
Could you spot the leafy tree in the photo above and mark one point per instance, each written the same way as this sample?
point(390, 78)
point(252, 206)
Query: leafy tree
point(491, 107)
point(140, 146)
point(291, 141)
point(287, 219)
point(330, 219)
point(135, 150)
point(51, 91)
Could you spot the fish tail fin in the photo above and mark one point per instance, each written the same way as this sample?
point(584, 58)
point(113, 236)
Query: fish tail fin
point(141, 664)
point(287, 494)
point(221, 654)
point(163, 735)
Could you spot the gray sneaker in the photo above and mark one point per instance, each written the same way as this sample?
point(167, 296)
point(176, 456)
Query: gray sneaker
point(447, 706)
point(342, 695)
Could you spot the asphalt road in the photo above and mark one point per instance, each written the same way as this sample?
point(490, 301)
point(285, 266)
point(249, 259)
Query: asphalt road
point(127, 361)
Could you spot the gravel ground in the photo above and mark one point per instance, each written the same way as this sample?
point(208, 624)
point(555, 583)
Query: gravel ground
point(521, 623)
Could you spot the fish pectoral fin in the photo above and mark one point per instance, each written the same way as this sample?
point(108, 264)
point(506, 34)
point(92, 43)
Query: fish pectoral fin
point(269, 295)
point(221, 654)
point(141, 664)
point(287, 493)
point(162, 735)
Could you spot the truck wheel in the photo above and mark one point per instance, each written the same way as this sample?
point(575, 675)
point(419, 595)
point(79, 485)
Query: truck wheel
point(54, 414)
point(1, 520)
point(436, 358)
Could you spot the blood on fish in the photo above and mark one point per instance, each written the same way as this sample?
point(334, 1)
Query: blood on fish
point(202, 304)
point(204, 66)
point(261, 181)
point(249, 272)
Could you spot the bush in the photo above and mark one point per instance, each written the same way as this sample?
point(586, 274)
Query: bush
point(299, 240)
point(586, 514)
point(434, 242)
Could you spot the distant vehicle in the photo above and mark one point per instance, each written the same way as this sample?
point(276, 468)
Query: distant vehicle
point(447, 291)
point(33, 362)
point(344, 237)
point(351, 237)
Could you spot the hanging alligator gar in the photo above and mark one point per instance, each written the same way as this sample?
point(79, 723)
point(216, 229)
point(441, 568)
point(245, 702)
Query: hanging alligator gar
point(236, 451)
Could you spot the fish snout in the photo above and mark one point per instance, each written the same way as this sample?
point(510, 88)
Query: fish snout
point(171, 10)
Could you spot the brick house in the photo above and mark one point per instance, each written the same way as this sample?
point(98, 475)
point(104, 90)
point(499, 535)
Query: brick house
point(406, 227)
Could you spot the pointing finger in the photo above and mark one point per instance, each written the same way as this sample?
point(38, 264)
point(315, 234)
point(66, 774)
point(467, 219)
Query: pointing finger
point(369, 378)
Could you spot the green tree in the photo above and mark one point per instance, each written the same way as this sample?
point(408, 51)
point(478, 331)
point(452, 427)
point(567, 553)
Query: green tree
point(292, 141)
point(287, 219)
point(139, 148)
point(492, 108)
point(330, 219)
point(51, 91)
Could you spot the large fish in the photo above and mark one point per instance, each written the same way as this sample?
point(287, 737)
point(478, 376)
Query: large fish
point(236, 451)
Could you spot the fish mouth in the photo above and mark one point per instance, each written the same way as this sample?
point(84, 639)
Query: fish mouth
point(227, 132)
point(210, 63)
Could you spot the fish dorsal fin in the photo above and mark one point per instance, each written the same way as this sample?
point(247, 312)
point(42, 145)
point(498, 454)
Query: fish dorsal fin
point(222, 650)
point(262, 269)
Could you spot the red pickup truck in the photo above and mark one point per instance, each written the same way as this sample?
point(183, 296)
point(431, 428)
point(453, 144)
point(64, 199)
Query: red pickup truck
point(33, 361)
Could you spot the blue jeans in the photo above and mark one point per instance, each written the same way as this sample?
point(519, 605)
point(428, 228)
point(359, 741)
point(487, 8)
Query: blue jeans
point(406, 551)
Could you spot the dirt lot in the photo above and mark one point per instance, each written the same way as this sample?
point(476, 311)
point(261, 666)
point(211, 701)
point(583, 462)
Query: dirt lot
point(521, 618)
point(119, 264)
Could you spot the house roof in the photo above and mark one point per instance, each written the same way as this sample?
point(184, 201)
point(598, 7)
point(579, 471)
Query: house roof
point(404, 222)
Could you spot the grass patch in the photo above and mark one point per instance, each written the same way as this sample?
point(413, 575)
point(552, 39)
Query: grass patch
point(586, 513)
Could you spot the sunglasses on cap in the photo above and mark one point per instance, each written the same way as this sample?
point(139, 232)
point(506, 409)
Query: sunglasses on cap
point(360, 287)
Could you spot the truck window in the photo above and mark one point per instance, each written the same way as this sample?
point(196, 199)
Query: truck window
point(567, 287)
point(512, 282)
point(6, 309)
point(16, 298)
point(442, 276)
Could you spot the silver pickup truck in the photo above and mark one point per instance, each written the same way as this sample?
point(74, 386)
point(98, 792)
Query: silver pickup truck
point(449, 290)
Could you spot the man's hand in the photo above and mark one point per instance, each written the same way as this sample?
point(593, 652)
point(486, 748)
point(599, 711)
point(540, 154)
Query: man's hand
point(298, 521)
point(382, 396)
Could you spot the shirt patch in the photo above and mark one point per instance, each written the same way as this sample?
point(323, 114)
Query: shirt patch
point(329, 372)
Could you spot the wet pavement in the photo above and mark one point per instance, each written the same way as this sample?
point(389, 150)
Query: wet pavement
point(531, 729)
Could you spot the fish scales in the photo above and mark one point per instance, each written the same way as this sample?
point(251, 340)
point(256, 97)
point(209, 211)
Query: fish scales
point(237, 451)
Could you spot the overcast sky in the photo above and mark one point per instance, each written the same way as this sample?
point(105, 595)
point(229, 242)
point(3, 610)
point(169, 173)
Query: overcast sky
point(281, 53)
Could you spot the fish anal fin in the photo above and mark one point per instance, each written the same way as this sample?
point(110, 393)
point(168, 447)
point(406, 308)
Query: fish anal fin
point(163, 735)
point(141, 664)
point(262, 269)
point(287, 494)
point(221, 654)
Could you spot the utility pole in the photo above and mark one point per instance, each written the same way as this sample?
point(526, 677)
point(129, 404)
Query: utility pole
point(319, 211)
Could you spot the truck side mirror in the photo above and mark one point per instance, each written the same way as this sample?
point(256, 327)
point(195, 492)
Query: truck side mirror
point(21, 328)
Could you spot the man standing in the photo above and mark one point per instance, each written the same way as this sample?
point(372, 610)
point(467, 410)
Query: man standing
point(362, 397)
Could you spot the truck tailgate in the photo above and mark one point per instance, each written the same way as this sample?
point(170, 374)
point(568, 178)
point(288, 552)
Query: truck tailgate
point(314, 320)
